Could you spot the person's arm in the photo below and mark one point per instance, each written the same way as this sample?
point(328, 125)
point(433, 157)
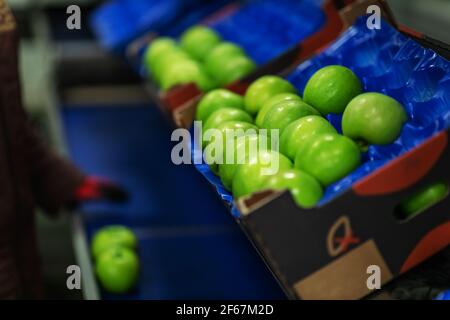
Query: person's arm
point(55, 181)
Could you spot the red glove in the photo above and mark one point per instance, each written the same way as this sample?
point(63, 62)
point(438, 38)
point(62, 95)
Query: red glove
point(96, 189)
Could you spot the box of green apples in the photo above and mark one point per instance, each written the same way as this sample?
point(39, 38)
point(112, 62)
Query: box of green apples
point(202, 59)
point(181, 71)
point(362, 155)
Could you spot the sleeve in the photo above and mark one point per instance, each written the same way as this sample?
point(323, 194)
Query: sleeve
point(54, 179)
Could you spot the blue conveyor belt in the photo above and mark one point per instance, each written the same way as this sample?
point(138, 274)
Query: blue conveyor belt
point(190, 247)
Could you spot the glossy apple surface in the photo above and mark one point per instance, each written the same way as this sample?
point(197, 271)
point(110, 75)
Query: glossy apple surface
point(166, 61)
point(158, 48)
point(280, 115)
point(373, 118)
point(328, 157)
point(263, 89)
point(227, 131)
point(271, 102)
point(423, 199)
point(222, 52)
point(198, 41)
point(305, 189)
point(331, 88)
point(250, 176)
point(243, 147)
point(118, 270)
point(112, 236)
point(296, 134)
point(216, 99)
point(226, 114)
point(185, 72)
point(234, 69)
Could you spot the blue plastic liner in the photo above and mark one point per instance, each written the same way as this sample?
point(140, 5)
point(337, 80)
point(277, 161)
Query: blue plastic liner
point(389, 63)
point(386, 62)
point(119, 22)
point(268, 28)
point(443, 296)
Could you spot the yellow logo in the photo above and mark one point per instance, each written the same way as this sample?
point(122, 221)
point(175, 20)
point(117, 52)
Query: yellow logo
point(7, 21)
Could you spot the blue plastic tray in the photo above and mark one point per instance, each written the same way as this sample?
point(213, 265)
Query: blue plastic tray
point(386, 62)
point(119, 22)
point(264, 28)
point(399, 67)
point(268, 28)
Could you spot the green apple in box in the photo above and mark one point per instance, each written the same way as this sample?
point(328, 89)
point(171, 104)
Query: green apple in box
point(263, 89)
point(166, 62)
point(331, 88)
point(216, 99)
point(297, 133)
point(237, 67)
point(280, 115)
point(223, 115)
point(222, 52)
point(305, 189)
point(214, 148)
point(251, 176)
point(373, 118)
point(272, 101)
point(185, 72)
point(328, 157)
point(198, 41)
point(423, 199)
point(243, 147)
point(158, 48)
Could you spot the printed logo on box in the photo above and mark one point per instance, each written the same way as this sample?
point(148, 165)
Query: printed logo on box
point(337, 244)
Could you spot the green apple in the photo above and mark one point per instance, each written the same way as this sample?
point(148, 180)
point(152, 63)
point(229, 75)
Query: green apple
point(185, 72)
point(118, 270)
point(222, 52)
point(305, 189)
point(272, 101)
point(373, 118)
point(216, 99)
point(328, 157)
point(250, 176)
point(226, 114)
point(297, 133)
point(423, 199)
point(243, 148)
point(263, 89)
point(331, 88)
point(234, 69)
point(227, 130)
point(112, 236)
point(198, 41)
point(280, 115)
point(158, 48)
point(166, 61)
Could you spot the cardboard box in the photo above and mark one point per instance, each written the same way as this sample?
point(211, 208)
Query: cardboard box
point(324, 253)
point(327, 252)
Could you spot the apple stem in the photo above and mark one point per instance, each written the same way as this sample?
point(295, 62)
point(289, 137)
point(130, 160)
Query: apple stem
point(363, 145)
